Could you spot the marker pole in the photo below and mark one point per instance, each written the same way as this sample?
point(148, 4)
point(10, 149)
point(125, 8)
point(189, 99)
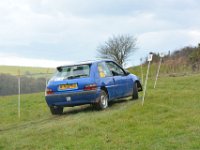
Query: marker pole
point(158, 72)
point(161, 56)
point(147, 74)
point(141, 71)
point(19, 92)
point(47, 76)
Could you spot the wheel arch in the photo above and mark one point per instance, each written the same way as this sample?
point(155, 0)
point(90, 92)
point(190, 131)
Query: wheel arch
point(139, 85)
point(105, 89)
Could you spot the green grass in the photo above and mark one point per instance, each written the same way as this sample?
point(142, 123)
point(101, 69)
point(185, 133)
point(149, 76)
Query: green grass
point(13, 70)
point(169, 119)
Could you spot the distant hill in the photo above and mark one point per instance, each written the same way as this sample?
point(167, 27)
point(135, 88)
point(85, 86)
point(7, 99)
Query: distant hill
point(184, 60)
point(13, 70)
point(32, 79)
point(187, 58)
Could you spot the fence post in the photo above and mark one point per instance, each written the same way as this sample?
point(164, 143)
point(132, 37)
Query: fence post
point(19, 91)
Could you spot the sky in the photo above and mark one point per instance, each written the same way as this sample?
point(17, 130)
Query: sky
point(48, 33)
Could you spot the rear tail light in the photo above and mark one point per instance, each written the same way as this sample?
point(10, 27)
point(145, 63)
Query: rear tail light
point(90, 87)
point(49, 91)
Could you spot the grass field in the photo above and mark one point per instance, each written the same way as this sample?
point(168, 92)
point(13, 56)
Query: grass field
point(168, 120)
point(13, 70)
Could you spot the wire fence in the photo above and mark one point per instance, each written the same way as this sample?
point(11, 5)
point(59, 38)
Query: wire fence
point(29, 83)
point(23, 83)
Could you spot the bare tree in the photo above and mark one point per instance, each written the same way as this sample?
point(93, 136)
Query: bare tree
point(118, 48)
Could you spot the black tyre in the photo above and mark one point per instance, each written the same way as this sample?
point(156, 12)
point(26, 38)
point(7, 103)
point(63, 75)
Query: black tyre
point(103, 100)
point(56, 110)
point(135, 91)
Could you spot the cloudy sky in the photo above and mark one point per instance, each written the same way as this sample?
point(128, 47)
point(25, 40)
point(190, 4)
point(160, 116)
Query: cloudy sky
point(53, 32)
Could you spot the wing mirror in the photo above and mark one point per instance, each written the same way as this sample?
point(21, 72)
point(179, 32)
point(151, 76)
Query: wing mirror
point(127, 72)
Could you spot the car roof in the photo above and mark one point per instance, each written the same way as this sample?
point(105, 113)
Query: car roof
point(85, 62)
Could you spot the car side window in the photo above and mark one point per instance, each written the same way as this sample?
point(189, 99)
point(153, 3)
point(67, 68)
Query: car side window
point(103, 70)
point(115, 69)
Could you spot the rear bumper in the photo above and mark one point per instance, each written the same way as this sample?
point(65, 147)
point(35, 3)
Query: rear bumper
point(72, 98)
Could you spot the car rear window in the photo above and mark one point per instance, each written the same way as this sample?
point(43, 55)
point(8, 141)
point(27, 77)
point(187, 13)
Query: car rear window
point(71, 72)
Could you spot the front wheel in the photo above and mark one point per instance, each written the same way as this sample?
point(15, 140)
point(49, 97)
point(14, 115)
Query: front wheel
point(135, 91)
point(56, 110)
point(103, 100)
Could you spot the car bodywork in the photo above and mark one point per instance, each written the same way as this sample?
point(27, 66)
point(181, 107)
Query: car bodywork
point(86, 88)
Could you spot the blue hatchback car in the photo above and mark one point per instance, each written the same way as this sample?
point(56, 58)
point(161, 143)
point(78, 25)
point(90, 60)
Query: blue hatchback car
point(92, 82)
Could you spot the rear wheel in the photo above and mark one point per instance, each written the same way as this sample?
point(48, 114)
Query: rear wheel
point(56, 110)
point(135, 91)
point(103, 100)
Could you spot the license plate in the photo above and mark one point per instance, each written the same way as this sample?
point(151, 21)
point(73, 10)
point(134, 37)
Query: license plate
point(67, 86)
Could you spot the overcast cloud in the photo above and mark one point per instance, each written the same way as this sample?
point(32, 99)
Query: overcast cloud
point(65, 31)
